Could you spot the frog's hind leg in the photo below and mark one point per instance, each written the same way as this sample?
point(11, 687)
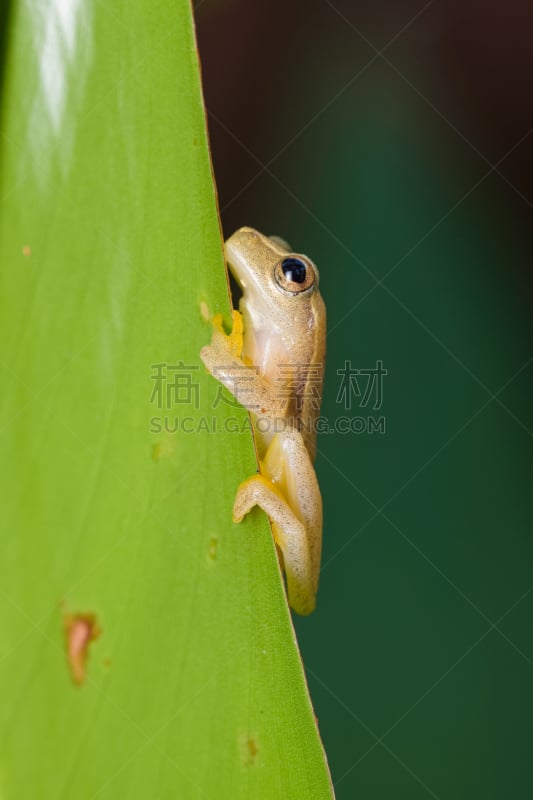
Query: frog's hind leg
point(289, 535)
point(287, 490)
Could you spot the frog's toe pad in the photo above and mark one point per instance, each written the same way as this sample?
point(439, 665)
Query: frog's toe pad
point(209, 355)
point(236, 337)
point(231, 343)
point(244, 502)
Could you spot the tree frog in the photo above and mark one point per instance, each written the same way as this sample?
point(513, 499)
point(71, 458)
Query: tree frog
point(273, 364)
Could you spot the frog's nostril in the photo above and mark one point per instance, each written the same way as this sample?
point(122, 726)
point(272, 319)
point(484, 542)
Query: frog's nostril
point(294, 270)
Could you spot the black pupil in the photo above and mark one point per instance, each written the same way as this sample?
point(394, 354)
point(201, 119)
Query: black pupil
point(294, 270)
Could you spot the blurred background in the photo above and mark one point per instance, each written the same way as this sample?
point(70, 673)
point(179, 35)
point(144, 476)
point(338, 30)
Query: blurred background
point(393, 143)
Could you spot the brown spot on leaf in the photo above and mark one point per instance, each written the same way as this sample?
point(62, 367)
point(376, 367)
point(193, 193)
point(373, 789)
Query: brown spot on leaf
point(80, 631)
point(249, 750)
point(212, 550)
point(26, 250)
point(164, 447)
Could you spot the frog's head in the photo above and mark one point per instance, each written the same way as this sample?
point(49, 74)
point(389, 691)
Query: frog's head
point(276, 283)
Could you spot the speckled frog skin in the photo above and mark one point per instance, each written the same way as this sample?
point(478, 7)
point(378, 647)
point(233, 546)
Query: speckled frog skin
point(273, 364)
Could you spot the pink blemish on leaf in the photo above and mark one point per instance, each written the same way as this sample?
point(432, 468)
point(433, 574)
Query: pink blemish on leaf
point(80, 631)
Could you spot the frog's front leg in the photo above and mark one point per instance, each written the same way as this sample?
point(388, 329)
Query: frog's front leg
point(287, 490)
point(223, 358)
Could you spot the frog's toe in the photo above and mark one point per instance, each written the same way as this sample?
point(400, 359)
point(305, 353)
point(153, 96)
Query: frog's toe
point(211, 356)
point(216, 322)
point(231, 343)
point(236, 337)
point(244, 502)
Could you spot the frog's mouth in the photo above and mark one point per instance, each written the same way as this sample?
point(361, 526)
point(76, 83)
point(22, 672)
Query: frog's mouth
point(241, 253)
point(236, 272)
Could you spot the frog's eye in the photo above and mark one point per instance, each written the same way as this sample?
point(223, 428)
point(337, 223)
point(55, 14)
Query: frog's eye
point(294, 275)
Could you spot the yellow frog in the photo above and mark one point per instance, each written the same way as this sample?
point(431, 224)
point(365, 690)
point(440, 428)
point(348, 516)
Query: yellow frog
point(273, 364)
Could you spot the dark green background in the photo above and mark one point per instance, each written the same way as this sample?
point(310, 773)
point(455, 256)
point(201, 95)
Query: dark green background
point(420, 655)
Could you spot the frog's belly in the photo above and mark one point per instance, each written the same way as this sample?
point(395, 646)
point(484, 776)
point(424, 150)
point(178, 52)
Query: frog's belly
point(267, 352)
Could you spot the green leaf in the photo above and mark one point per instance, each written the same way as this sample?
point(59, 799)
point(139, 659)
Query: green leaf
point(117, 540)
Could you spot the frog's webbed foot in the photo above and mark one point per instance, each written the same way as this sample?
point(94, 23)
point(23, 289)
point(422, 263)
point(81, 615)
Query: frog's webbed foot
point(223, 356)
point(289, 534)
point(224, 359)
point(228, 344)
